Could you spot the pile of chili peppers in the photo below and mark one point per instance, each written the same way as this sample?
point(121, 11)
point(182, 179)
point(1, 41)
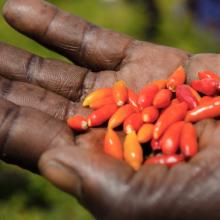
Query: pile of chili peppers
point(159, 117)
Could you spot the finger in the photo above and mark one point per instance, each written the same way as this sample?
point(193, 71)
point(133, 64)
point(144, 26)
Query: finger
point(62, 78)
point(200, 62)
point(95, 179)
point(83, 43)
point(24, 94)
point(26, 133)
point(146, 62)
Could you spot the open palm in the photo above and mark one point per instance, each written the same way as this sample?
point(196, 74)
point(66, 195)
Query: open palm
point(38, 95)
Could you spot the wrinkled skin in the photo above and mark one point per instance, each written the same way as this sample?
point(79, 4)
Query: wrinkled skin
point(38, 95)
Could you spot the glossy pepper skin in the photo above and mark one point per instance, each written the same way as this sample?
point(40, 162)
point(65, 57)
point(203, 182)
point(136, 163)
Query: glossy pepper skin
point(133, 153)
point(78, 123)
point(147, 95)
point(177, 78)
point(120, 92)
point(171, 138)
point(188, 140)
point(101, 102)
point(96, 95)
point(133, 98)
point(112, 145)
point(208, 74)
point(163, 98)
point(209, 109)
point(120, 115)
point(101, 115)
point(168, 160)
point(145, 133)
point(172, 114)
point(133, 123)
point(150, 114)
point(184, 94)
point(155, 144)
point(206, 86)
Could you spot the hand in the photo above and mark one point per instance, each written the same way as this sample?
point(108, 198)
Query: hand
point(109, 188)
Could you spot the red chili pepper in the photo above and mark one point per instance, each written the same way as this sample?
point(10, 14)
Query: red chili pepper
point(162, 99)
point(184, 94)
point(209, 109)
point(208, 74)
point(177, 78)
point(133, 122)
point(206, 86)
point(120, 115)
point(171, 138)
point(168, 160)
point(205, 99)
point(101, 115)
point(171, 115)
point(145, 133)
point(112, 145)
point(132, 98)
point(155, 144)
point(150, 114)
point(146, 95)
point(133, 153)
point(120, 92)
point(78, 123)
point(188, 140)
point(101, 102)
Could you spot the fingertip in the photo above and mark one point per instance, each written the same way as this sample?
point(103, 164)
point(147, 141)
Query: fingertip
point(29, 16)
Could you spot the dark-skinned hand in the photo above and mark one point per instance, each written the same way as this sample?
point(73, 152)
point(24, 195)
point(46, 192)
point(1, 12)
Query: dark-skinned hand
point(38, 95)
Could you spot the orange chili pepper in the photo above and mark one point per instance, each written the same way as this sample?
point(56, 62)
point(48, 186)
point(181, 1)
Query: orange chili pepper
point(171, 138)
point(78, 123)
point(162, 99)
point(133, 153)
point(205, 99)
point(188, 140)
point(168, 160)
point(206, 86)
point(208, 74)
point(178, 77)
point(146, 95)
point(120, 115)
point(155, 144)
point(112, 145)
point(101, 102)
point(98, 94)
point(101, 115)
point(145, 133)
point(150, 114)
point(133, 122)
point(175, 101)
point(161, 83)
point(172, 114)
point(209, 109)
point(184, 94)
point(120, 93)
point(132, 98)
point(195, 94)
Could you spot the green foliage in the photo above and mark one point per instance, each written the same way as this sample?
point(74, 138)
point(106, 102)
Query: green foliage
point(24, 196)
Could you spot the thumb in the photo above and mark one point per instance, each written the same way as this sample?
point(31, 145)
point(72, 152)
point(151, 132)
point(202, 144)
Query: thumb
point(97, 180)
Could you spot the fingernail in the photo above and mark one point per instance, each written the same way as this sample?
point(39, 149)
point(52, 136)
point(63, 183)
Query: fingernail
point(61, 176)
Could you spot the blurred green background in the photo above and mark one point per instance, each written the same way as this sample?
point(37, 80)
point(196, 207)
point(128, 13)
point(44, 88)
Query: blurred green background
point(25, 196)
